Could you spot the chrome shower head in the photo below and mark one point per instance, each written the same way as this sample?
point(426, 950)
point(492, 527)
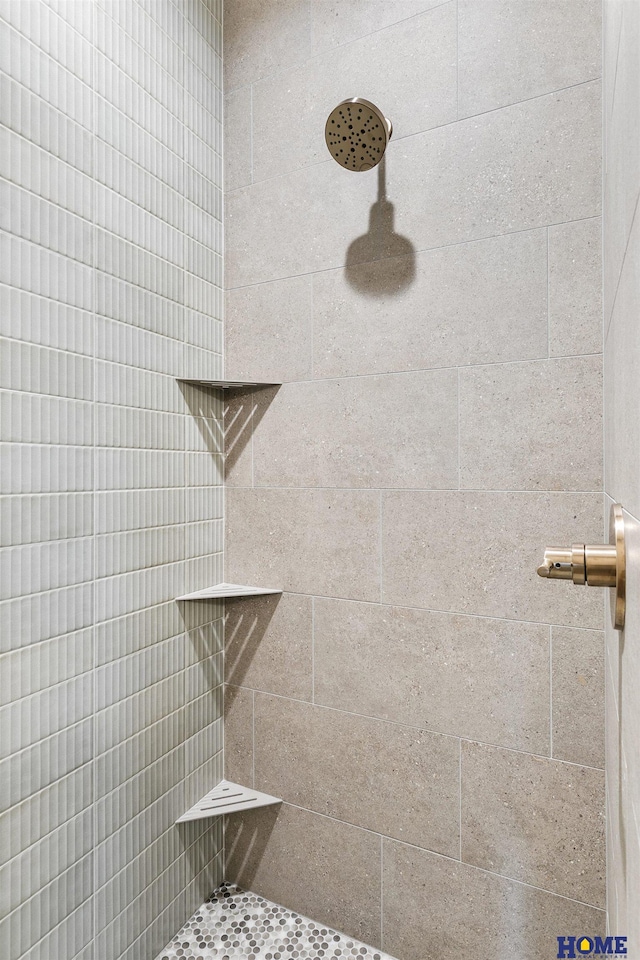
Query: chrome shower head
point(357, 134)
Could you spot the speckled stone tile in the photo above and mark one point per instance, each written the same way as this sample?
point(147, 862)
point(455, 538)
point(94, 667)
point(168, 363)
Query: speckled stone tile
point(234, 923)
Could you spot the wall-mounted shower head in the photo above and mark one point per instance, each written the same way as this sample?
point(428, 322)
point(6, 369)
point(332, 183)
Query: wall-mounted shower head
point(357, 134)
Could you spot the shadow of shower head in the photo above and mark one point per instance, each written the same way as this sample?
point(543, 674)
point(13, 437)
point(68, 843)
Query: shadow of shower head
point(357, 134)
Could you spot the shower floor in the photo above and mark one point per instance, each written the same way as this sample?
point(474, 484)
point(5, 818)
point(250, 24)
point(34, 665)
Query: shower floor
point(234, 923)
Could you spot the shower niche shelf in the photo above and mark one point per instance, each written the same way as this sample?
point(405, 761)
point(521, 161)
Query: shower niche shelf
point(227, 797)
point(227, 591)
point(225, 384)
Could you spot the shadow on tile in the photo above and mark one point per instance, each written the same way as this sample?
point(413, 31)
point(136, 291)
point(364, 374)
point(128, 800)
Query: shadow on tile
point(202, 621)
point(246, 629)
point(247, 840)
point(381, 242)
point(244, 408)
point(206, 406)
point(202, 842)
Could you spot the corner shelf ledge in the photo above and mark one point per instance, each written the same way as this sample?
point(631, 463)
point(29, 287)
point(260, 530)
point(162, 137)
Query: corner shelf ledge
point(225, 384)
point(223, 591)
point(227, 797)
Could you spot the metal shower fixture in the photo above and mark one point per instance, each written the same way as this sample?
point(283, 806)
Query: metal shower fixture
point(357, 134)
point(597, 565)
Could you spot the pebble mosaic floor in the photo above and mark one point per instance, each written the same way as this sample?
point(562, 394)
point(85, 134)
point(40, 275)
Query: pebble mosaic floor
point(235, 924)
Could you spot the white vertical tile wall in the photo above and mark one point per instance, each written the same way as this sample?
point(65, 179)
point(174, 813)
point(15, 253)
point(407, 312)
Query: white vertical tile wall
point(110, 496)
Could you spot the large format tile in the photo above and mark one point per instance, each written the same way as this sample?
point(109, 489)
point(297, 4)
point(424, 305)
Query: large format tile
point(535, 820)
point(390, 431)
point(307, 220)
point(238, 735)
point(438, 909)
point(334, 22)
point(575, 288)
point(512, 169)
point(494, 543)
point(268, 644)
point(387, 67)
point(550, 412)
point(466, 676)
point(311, 863)
point(513, 51)
point(262, 38)
point(305, 541)
point(237, 138)
point(468, 303)
point(578, 696)
point(243, 411)
point(327, 761)
point(268, 331)
point(541, 158)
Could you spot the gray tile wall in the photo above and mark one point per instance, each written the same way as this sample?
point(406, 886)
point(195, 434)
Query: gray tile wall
point(429, 709)
point(622, 450)
point(110, 287)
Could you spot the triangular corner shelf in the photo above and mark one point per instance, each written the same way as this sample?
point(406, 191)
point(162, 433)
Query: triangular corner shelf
point(225, 384)
point(227, 797)
point(224, 591)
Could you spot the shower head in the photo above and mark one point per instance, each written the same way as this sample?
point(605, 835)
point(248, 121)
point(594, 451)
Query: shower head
point(357, 134)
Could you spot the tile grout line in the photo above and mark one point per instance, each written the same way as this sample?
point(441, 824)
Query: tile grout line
point(551, 691)
point(491, 491)
point(184, 254)
point(250, 135)
point(420, 728)
point(313, 649)
point(252, 433)
point(312, 325)
point(548, 299)
point(457, 60)
point(67, 259)
point(460, 798)
point(429, 130)
point(459, 412)
point(335, 599)
point(444, 856)
point(423, 250)
point(327, 50)
point(381, 545)
point(94, 365)
point(253, 739)
point(315, 381)
point(61, 923)
point(381, 892)
point(110, 192)
point(131, 120)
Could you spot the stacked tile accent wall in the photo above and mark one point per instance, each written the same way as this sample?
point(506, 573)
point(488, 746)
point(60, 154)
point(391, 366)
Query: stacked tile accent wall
point(430, 710)
point(111, 246)
point(621, 44)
